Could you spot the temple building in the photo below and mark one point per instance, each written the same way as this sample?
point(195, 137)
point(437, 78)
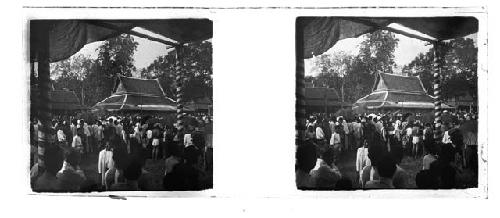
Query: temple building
point(396, 93)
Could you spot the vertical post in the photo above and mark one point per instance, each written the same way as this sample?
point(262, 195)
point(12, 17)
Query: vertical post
point(437, 89)
point(179, 82)
point(300, 112)
point(44, 104)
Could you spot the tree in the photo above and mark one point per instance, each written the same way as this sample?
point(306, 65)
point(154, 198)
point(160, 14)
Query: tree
point(422, 66)
point(377, 52)
point(93, 80)
point(333, 70)
point(458, 72)
point(197, 71)
point(72, 74)
point(352, 76)
point(115, 58)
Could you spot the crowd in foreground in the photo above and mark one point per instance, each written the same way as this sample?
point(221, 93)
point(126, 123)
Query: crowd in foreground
point(120, 147)
point(380, 142)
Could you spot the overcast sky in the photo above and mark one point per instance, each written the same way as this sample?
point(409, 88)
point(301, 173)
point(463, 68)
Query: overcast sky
point(406, 50)
point(147, 51)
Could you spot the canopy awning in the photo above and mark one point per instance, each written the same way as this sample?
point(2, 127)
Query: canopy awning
point(321, 33)
point(66, 37)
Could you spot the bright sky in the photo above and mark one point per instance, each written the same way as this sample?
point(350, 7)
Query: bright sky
point(147, 50)
point(405, 52)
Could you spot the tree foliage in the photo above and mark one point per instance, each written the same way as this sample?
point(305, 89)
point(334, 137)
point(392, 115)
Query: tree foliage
point(92, 80)
point(197, 71)
point(376, 52)
point(458, 72)
point(352, 75)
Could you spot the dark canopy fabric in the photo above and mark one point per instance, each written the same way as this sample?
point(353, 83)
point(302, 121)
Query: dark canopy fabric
point(321, 33)
point(66, 37)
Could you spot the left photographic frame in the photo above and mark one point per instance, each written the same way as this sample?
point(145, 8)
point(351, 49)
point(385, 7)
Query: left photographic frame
point(120, 105)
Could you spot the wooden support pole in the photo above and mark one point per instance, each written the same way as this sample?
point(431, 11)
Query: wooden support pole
point(179, 83)
point(300, 111)
point(437, 90)
point(44, 104)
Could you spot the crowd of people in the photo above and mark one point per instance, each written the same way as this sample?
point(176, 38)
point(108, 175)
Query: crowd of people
point(120, 147)
point(380, 142)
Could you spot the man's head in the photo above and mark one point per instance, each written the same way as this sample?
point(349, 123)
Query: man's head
point(327, 156)
point(120, 157)
point(73, 157)
point(306, 156)
point(375, 148)
point(133, 171)
point(386, 166)
point(191, 155)
point(426, 180)
point(107, 145)
point(447, 153)
point(53, 159)
point(397, 154)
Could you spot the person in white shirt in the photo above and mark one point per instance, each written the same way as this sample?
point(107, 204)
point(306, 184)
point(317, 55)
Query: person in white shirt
point(77, 141)
point(320, 135)
point(446, 138)
point(331, 124)
point(105, 162)
point(149, 136)
point(428, 160)
point(61, 137)
point(347, 134)
point(362, 160)
point(86, 139)
point(335, 144)
point(188, 140)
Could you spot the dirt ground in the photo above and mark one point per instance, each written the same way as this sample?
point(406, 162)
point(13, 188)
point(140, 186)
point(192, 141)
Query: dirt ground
point(347, 166)
point(155, 168)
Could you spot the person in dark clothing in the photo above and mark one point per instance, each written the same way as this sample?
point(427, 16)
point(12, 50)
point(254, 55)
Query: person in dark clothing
point(443, 168)
point(425, 179)
point(185, 176)
point(306, 156)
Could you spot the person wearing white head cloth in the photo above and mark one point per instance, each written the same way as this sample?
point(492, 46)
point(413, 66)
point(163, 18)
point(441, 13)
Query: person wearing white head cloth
point(188, 140)
point(446, 138)
point(61, 137)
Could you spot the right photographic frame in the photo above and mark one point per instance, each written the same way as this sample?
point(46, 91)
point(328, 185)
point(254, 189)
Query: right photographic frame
point(387, 103)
